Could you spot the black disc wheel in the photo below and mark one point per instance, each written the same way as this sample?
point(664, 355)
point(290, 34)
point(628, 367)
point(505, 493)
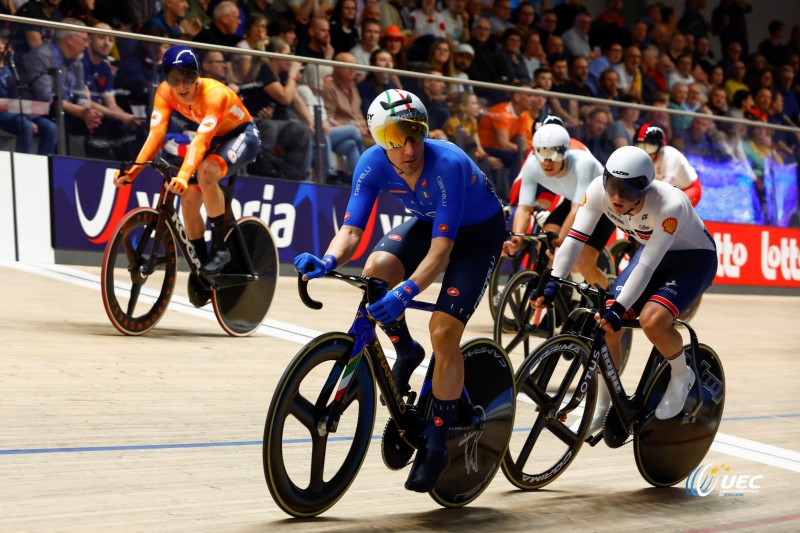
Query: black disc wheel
point(667, 451)
point(479, 440)
point(241, 307)
point(138, 272)
point(527, 326)
point(306, 467)
point(554, 412)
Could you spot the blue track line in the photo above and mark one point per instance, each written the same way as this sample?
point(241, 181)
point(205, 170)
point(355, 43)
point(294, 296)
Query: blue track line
point(83, 449)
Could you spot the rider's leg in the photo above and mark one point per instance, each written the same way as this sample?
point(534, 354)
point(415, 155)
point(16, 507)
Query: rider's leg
point(448, 381)
point(209, 173)
point(410, 353)
point(657, 323)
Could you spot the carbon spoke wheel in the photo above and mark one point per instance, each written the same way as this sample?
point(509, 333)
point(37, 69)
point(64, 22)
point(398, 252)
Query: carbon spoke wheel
point(241, 308)
point(138, 273)
point(553, 413)
point(308, 469)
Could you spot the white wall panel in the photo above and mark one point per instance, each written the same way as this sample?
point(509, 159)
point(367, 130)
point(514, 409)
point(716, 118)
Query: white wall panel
point(32, 195)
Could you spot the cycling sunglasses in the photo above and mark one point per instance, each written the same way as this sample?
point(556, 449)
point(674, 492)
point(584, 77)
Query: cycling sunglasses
point(177, 76)
point(630, 189)
point(555, 154)
point(394, 132)
point(650, 148)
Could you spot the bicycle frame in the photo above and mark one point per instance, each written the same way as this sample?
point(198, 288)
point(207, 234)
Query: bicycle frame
point(629, 408)
point(168, 216)
point(366, 343)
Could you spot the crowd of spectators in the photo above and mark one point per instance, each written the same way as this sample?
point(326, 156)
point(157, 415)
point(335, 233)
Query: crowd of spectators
point(664, 59)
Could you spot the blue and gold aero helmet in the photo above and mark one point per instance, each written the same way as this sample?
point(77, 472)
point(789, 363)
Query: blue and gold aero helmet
point(182, 61)
point(396, 115)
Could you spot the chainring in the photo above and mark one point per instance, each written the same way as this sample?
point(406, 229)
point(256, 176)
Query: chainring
point(396, 452)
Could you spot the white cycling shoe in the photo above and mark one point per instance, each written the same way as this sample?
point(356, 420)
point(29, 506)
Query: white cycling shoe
point(675, 395)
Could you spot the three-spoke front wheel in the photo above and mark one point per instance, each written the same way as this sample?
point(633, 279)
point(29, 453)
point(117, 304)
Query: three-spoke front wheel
point(138, 272)
point(308, 469)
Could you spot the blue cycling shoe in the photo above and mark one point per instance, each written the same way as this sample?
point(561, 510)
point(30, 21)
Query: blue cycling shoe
point(426, 470)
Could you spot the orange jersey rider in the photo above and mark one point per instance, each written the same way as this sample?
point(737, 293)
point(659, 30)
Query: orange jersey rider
point(226, 141)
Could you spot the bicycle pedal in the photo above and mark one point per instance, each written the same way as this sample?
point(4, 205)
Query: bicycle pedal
point(594, 439)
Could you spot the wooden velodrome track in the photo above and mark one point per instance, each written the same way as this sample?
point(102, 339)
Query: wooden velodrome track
point(163, 432)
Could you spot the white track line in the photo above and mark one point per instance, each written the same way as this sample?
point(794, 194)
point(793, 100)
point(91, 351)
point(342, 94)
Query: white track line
point(728, 444)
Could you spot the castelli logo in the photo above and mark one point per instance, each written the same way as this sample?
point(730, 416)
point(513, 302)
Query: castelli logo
point(407, 290)
point(437, 421)
point(443, 228)
point(424, 183)
point(395, 237)
point(347, 215)
point(452, 291)
point(394, 339)
point(670, 225)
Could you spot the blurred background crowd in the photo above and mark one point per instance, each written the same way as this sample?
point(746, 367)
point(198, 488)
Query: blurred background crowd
point(663, 59)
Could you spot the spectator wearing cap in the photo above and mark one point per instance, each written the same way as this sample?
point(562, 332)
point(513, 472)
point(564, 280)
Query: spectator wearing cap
point(462, 59)
point(395, 13)
point(393, 40)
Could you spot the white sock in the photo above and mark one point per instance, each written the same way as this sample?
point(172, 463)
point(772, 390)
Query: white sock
point(678, 364)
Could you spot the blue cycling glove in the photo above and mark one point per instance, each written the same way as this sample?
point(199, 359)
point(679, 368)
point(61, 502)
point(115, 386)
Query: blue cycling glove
point(613, 315)
point(549, 292)
point(314, 267)
point(394, 302)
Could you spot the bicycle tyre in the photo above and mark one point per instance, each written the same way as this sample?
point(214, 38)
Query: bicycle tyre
point(132, 244)
point(503, 272)
point(545, 381)
point(241, 309)
point(475, 455)
point(516, 310)
point(668, 451)
point(331, 349)
point(621, 252)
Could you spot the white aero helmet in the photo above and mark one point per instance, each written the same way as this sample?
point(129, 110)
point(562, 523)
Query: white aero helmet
point(394, 116)
point(550, 143)
point(629, 172)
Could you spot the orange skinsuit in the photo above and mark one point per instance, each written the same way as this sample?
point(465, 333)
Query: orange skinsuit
point(218, 111)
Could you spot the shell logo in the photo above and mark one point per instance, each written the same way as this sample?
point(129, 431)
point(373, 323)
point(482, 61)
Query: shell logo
point(670, 225)
point(584, 200)
point(452, 291)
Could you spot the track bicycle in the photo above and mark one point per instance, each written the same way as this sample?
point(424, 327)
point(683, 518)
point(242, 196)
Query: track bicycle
point(518, 326)
point(557, 392)
point(143, 252)
point(321, 417)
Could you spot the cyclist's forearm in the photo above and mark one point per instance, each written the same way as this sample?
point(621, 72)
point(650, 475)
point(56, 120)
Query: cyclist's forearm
point(345, 243)
point(433, 263)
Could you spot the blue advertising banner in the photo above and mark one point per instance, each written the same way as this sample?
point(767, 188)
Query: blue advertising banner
point(302, 216)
